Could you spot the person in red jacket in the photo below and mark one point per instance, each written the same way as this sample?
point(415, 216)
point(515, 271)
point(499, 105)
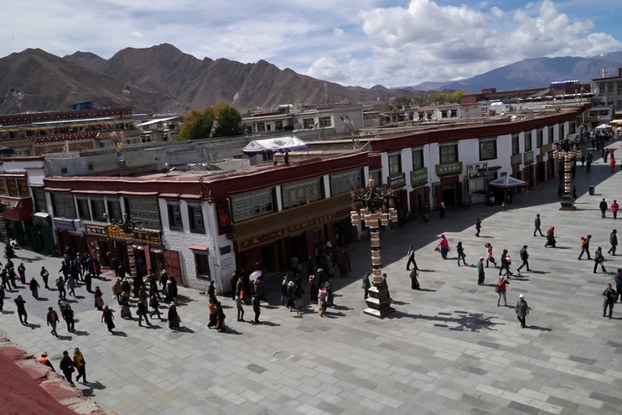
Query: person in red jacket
point(614, 209)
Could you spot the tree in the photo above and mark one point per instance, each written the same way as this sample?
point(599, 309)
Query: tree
point(220, 121)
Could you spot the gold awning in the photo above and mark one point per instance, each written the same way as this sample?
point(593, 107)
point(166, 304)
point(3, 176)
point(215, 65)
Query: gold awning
point(289, 222)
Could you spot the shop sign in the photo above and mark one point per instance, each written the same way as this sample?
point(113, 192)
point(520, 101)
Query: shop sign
point(397, 181)
point(449, 168)
point(419, 177)
point(65, 225)
point(41, 219)
point(516, 159)
point(95, 229)
point(546, 148)
point(146, 236)
point(528, 157)
point(262, 239)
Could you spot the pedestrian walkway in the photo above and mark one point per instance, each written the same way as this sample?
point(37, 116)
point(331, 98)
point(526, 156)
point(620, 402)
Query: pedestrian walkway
point(447, 349)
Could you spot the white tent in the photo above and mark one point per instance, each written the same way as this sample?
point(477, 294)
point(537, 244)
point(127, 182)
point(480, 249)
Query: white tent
point(506, 182)
point(275, 145)
point(603, 126)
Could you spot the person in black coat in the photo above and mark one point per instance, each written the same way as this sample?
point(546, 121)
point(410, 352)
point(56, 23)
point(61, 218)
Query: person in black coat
point(67, 366)
point(414, 282)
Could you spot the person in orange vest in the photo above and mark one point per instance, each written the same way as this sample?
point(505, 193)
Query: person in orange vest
point(45, 361)
point(614, 209)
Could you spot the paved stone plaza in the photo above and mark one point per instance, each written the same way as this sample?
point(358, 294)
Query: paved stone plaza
point(447, 349)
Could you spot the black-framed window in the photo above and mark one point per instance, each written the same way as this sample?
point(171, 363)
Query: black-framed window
point(345, 182)
point(300, 193)
point(114, 210)
point(487, 149)
point(174, 216)
point(527, 141)
point(308, 123)
point(551, 135)
point(418, 159)
point(39, 198)
point(98, 209)
point(201, 263)
point(448, 153)
point(146, 211)
point(326, 122)
point(252, 204)
point(376, 175)
point(83, 208)
point(195, 218)
point(64, 206)
point(562, 131)
point(395, 163)
point(539, 137)
point(515, 144)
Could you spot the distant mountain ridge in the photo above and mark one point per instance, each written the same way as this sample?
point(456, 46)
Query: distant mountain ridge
point(163, 79)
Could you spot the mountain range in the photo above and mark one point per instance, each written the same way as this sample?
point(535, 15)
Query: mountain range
point(163, 79)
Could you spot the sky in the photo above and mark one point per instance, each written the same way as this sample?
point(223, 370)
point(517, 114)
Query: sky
point(351, 42)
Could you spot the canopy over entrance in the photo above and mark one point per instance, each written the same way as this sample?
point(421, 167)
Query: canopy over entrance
point(275, 145)
point(507, 182)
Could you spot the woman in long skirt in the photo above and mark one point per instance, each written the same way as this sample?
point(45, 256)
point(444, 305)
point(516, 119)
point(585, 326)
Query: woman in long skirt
point(108, 318)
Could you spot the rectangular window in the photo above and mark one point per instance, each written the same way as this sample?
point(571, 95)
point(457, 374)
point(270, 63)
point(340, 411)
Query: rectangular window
point(40, 202)
point(145, 211)
point(551, 135)
point(98, 208)
point(114, 210)
point(174, 216)
point(325, 122)
point(528, 141)
point(252, 204)
point(395, 164)
point(201, 262)
point(278, 125)
point(64, 206)
point(11, 185)
point(539, 137)
point(562, 131)
point(444, 114)
point(83, 208)
point(376, 175)
point(418, 159)
point(448, 153)
point(454, 113)
point(2, 186)
point(487, 149)
point(308, 123)
point(345, 182)
point(195, 217)
point(300, 193)
point(22, 187)
point(515, 144)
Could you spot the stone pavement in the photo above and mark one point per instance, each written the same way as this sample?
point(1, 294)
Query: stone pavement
point(447, 349)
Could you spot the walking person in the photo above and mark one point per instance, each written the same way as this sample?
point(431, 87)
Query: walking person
point(481, 275)
point(21, 270)
point(505, 264)
point(366, 285)
point(71, 285)
point(52, 320)
point(501, 290)
point(98, 297)
point(67, 367)
point(443, 246)
point(461, 254)
point(80, 364)
point(614, 209)
point(154, 303)
point(411, 258)
point(550, 238)
point(21, 310)
point(108, 318)
point(618, 281)
point(34, 287)
point(220, 325)
point(442, 210)
point(142, 312)
point(239, 305)
point(322, 299)
point(414, 282)
point(524, 257)
point(256, 307)
point(45, 275)
point(537, 223)
point(489, 257)
point(603, 207)
point(212, 312)
point(60, 286)
point(173, 317)
point(574, 193)
point(88, 281)
point(522, 310)
point(312, 289)
point(610, 296)
point(45, 361)
point(584, 242)
point(284, 298)
point(613, 241)
point(67, 313)
point(599, 259)
point(478, 227)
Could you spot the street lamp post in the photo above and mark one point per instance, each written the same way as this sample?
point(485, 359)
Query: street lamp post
point(567, 151)
point(373, 206)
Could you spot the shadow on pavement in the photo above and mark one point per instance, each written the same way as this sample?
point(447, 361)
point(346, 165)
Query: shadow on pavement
point(469, 321)
point(91, 387)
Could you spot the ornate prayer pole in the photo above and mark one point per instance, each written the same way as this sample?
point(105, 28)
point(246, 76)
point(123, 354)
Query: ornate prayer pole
point(566, 151)
point(373, 206)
